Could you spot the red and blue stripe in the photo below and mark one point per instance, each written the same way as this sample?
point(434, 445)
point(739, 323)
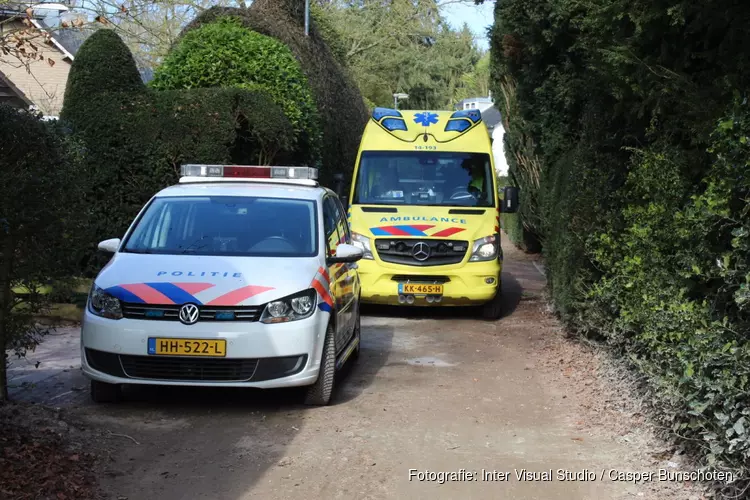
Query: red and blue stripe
point(414, 230)
point(166, 293)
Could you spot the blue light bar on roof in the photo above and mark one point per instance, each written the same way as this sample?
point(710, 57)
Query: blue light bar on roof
point(472, 114)
point(380, 113)
point(457, 125)
point(394, 124)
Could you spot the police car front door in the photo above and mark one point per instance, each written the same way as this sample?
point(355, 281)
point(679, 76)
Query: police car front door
point(337, 272)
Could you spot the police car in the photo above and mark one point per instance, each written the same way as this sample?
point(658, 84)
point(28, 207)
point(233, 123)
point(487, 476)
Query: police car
point(239, 276)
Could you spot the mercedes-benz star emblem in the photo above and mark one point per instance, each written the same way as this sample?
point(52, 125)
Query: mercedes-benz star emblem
point(189, 314)
point(421, 251)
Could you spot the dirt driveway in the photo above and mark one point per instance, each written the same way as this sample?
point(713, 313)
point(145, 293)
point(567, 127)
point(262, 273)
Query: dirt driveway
point(431, 393)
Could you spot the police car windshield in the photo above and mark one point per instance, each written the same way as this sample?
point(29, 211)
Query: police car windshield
point(425, 178)
point(227, 226)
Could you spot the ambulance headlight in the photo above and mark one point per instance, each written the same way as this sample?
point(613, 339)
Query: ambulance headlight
point(294, 307)
point(484, 249)
point(362, 242)
point(103, 304)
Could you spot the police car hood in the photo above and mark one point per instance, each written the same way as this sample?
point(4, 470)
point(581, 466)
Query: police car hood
point(205, 280)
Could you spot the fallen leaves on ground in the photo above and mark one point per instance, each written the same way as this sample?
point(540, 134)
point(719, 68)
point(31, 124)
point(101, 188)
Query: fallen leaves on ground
point(37, 461)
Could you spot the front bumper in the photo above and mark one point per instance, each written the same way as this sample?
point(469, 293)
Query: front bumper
point(466, 282)
point(258, 355)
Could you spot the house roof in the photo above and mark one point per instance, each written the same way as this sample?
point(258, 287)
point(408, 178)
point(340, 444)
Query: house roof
point(11, 94)
point(69, 40)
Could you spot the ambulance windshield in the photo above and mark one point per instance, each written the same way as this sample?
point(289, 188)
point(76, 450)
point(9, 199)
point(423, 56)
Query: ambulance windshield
point(425, 178)
point(227, 226)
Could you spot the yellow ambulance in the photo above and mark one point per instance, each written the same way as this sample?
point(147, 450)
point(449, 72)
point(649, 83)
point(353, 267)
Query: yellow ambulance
point(424, 207)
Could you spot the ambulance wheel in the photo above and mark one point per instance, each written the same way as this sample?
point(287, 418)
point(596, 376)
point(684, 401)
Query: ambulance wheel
point(493, 309)
point(319, 394)
point(102, 392)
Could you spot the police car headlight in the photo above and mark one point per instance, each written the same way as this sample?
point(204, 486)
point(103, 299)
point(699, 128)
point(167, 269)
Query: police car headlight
point(103, 304)
point(362, 242)
point(484, 249)
point(294, 307)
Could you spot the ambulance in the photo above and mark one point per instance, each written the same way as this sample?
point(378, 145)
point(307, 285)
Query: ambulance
point(425, 209)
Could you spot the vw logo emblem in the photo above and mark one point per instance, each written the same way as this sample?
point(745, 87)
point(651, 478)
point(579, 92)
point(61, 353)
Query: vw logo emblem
point(189, 314)
point(421, 251)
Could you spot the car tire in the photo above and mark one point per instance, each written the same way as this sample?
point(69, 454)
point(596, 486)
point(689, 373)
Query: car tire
point(102, 392)
point(493, 309)
point(319, 394)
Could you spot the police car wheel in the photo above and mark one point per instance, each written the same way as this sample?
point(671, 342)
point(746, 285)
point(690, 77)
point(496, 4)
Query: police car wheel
point(493, 309)
point(101, 392)
point(319, 394)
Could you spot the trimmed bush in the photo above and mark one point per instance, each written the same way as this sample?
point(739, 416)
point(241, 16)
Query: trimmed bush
point(43, 221)
point(225, 54)
point(342, 111)
point(103, 64)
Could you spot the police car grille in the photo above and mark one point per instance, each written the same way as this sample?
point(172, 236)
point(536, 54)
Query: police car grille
point(163, 368)
point(401, 251)
point(207, 313)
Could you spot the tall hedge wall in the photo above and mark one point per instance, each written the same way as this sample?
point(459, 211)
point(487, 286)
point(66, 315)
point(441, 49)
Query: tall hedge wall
point(342, 111)
point(135, 139)
point(628, 133)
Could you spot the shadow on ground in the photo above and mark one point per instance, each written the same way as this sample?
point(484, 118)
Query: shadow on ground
point(232, 434)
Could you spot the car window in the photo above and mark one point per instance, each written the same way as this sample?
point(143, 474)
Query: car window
point(343, 224)
point(226, 225)
point(331, 217)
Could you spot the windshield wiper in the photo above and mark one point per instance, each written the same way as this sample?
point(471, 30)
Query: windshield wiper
point(138, 250)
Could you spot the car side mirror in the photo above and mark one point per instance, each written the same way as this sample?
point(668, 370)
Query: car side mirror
point(110, 246)
point(346, 254)
point(510, 200)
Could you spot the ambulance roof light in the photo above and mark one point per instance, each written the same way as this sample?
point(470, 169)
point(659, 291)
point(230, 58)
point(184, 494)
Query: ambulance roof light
point(200, 172)
point(459, 125)
point(380, 113)
point(473, 114)
point(393, 124)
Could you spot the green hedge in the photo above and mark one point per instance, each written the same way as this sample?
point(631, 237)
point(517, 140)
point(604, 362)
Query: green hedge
point(225, 54)
point(340, 105)
point(136, 139)
point(44, 215)
point(627, 132)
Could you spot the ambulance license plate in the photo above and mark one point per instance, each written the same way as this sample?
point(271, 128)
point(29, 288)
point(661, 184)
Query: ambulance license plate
point(419, 289)
point(187, 347)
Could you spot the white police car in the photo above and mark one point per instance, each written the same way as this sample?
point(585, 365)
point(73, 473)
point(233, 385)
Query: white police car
point(238, 276)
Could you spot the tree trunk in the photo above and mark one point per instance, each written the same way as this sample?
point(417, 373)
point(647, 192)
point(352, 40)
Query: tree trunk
point(6, 263)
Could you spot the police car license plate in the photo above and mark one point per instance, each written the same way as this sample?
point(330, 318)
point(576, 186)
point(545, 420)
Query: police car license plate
point(187, 347)
point(419, 289)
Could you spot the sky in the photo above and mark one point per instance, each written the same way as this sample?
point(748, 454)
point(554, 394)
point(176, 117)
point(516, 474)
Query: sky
point(478, 17)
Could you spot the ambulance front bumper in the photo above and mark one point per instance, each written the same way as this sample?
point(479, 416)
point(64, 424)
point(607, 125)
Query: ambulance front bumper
point(472, 283)
point(257, 354)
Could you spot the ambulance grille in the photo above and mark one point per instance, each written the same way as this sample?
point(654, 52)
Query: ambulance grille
point(401, 251)
point(207, 313)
